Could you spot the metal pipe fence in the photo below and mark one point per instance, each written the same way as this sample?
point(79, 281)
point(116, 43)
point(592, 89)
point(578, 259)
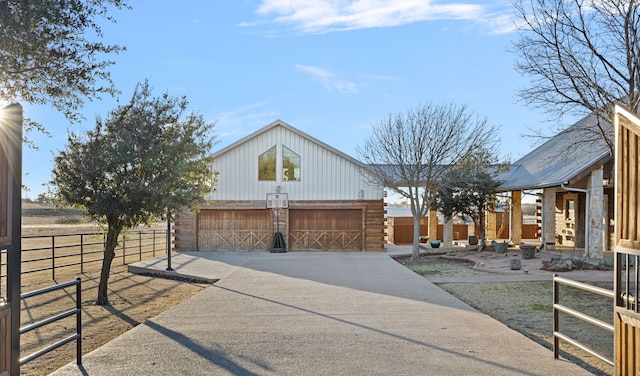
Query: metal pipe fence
point(77, 311)
point(44, 255)
point(75, 252)
point(559, 308)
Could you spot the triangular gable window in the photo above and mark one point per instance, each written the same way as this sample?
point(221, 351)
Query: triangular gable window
point(267, 165)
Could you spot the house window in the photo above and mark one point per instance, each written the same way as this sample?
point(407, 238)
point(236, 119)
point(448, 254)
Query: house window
point(267, 165)
point(290, 165)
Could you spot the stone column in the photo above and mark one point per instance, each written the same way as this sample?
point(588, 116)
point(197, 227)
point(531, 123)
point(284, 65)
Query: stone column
point(595, 215)
point(539, 220)
point(433, 225)
point(549, 218)
point(389, 231)
point(516, 217)
point(447, 233)
point(186, 230)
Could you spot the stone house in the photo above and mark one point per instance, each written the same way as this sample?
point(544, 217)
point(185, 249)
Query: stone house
point(571, 176)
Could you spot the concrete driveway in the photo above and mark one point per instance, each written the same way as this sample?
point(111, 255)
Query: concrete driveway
point(316, 314)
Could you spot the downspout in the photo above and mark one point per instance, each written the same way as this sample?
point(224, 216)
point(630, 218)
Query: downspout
point(586, 215)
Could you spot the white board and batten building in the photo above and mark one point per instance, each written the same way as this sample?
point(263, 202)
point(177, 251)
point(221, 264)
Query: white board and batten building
point(325, 200)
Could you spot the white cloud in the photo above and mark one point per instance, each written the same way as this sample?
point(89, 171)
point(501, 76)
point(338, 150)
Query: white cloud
point(501, 24)
point(335, 15)
point(236, 123)
point(328, 79)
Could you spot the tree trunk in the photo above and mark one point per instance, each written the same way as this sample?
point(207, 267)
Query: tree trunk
point(447, 233)
point(416, 238)
point(113, 232)
point(481, 230)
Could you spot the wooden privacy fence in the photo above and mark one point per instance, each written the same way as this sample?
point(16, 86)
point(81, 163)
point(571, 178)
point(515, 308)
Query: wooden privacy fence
point(403, 230)
point(50, 253)
point(530, 231)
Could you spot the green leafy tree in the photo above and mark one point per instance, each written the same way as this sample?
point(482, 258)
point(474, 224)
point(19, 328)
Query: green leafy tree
point(51, 53)
point(469, 188)
point(410, 153)
point(146, 160)
point(44, 198)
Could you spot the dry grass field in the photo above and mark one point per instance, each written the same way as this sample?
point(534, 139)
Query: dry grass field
point(133, 298)
point(527, 307)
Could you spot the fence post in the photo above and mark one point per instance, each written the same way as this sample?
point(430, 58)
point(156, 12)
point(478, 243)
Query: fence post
point(81, 253)
point(53, 257)
point(168, 240)
point(124, 249)
point(556, 316)
point(79, 322)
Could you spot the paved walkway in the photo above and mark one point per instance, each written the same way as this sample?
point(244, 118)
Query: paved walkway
point(316, 314)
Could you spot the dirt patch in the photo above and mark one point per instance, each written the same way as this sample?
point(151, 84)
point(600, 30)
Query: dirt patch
point(134, 299)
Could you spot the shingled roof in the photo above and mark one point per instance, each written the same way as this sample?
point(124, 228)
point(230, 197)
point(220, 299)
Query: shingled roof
point(560, 160)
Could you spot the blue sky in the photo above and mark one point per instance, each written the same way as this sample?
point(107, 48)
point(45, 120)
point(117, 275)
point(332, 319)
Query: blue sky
point(330, 68)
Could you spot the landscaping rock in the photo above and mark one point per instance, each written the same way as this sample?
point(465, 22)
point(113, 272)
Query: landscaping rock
point(557, 264)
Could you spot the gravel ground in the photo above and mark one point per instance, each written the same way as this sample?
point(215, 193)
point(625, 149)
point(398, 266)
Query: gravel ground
point(526, 306)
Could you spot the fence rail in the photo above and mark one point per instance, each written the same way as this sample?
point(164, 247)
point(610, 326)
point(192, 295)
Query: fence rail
point(44, 255)
point(52, 253)
point(559, 308)
point(77, 311)
point(70, 250)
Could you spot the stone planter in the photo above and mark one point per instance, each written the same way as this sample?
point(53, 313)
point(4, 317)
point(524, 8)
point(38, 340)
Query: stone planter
point(527, 251)
point(500, 247)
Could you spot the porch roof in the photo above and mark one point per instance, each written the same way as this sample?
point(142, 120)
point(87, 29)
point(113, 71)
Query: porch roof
point(561, 160)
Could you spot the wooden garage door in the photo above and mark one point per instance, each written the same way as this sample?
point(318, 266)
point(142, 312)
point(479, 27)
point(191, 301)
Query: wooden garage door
point(233, 230)
point(325, 229)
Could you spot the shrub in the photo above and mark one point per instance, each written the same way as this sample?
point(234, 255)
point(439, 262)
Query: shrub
point(68, 220)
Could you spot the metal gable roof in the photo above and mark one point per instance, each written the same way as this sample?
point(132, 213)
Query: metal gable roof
point(280, 123)
point(560, 159)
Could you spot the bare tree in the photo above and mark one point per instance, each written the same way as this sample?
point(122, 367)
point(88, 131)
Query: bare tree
point(581, 55)
point(409, 153)
point(470, 188)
